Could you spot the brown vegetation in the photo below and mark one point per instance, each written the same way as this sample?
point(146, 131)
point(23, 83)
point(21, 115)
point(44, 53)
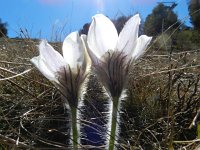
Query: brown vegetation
point(162, 100)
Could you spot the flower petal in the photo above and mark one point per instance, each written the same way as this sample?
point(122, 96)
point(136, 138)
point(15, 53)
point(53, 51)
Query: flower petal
point(128, 35)
point(51, 57)
point(87, 62)
point(102, 35)
point(142, 43)
point(43, 68)
point(73, 51)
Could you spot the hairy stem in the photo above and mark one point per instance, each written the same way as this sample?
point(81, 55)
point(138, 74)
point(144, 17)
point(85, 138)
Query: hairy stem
point(113, 123)
point(74, 127)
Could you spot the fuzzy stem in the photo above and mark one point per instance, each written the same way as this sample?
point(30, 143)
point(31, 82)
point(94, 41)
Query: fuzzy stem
point(113, 123)
point(74, 127)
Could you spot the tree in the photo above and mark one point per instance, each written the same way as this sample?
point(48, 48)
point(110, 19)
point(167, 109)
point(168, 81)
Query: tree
point(85, 29)
point(194, 11)
point(3, 29)
point(161, 19)
point(120, 22)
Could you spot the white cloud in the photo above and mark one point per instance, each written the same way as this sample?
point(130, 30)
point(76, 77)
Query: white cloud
point(100, 5)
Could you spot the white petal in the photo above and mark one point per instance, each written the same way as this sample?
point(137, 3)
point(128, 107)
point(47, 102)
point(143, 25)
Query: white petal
point(102, 35)
point(73, 51)
point(51, 57)
point(87, 60)
point(90, 56)
point(128, 35)
point(43, 68)
point(142, 43)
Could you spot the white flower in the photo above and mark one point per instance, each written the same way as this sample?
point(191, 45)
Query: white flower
point(103, 36)
point(67, 72)
point(111, 53)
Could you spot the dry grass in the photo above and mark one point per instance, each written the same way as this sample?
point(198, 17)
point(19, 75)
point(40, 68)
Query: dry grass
point(162, 100)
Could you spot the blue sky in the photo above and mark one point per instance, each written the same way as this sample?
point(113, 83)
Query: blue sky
point(54, 19)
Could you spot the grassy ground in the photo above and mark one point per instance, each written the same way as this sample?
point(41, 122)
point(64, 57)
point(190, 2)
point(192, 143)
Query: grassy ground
point(163, 97)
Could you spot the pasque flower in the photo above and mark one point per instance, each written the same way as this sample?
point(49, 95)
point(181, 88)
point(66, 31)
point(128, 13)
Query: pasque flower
point(66, 72)
point(112, 54)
